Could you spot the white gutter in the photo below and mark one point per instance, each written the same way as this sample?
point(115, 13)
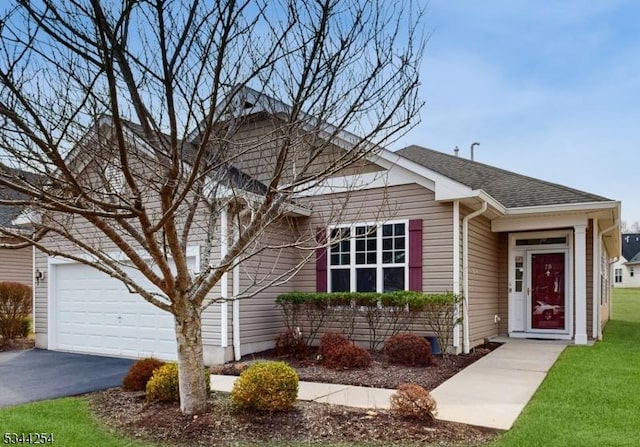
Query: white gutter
point(567, 207)
point(615, 225)
point(456, 270)
point(224, 281)
point(465, 275)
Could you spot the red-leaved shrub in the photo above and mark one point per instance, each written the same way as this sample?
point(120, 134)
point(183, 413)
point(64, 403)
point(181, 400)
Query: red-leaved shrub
point(140, 373)
point(291, 344)
point(413, 401)
point(330, 341)
point(408, 349)
point(347, 356)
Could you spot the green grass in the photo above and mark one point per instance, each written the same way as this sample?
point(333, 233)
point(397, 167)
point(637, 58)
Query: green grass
point(67, 419)
point(591, 396)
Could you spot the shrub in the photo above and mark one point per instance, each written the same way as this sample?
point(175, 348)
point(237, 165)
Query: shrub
point(266, 386)
point(413, 401)
point(163, 385)
point(408, 349)
point(25, 327)
point(330, 341)
point(15, 305)
point(140, 373)
point(291, 344)
point(347, 356)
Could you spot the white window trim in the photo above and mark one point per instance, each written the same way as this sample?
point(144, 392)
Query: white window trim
point(379, 265)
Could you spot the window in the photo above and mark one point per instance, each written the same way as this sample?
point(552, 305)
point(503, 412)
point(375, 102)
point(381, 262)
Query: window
point(631, 272)
point(618, 275)
point(368, 258)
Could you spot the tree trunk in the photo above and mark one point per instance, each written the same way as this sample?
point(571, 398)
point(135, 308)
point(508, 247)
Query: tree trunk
point(193, 392)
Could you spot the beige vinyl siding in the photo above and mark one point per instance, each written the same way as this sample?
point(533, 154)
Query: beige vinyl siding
point(260, 318)
point(484, 280)
point(17, 265)
point(393, 203)
point(40, 311)
point(503, 283)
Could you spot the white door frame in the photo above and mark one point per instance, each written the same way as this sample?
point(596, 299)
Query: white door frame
point(525, 251)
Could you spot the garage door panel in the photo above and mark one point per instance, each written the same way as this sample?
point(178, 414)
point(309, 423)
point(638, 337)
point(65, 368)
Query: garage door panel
point(97, 314)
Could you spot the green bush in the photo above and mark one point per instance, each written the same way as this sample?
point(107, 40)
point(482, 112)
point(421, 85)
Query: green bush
point(408, 349)
point(25, 327)
point(140, 373)
point(163, 385)
point(386, 314)
point(266, 386)
point(15, 306)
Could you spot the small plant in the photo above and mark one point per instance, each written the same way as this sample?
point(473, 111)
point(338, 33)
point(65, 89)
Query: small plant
point(347, 356)
point(140, 373)
point(163, 385)
point(413, 401)
point(25, 327)
point(266, 386)
point(408, 349)
point(15, 306)
point(330, 341)
point(291, 344)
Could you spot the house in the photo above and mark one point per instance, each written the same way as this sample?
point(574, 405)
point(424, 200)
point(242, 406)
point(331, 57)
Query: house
point(530, 257)
point(15, 264)
point(626, 269)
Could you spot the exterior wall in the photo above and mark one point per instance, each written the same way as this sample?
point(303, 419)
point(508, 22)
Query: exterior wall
point(484, 280)
point(380, 204)
point(628, 281)
point(260, 318)
point(17, 265)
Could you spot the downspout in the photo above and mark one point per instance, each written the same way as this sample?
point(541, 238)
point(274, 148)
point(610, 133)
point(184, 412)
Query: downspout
point(465, 275)
point(456, 270)
point(237, 354)
point(615, 225)
point(224, 281)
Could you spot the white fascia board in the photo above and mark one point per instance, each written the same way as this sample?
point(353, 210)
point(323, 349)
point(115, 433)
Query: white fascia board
point(566, 208)
point(224, 192)
point(537, 222)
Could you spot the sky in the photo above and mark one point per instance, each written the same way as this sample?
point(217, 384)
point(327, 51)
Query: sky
point(550, 89)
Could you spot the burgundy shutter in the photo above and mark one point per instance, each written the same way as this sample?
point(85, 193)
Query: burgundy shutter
point(321, 261)
point(415, 255)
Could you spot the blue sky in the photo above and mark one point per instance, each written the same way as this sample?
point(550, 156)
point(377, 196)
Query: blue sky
point(550, 89)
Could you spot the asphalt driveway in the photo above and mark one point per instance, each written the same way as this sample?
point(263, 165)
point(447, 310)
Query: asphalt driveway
point(37, 374)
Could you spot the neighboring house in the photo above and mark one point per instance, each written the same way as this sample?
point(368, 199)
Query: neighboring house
point(15, 265)
point(531, 258)
point(626, 269)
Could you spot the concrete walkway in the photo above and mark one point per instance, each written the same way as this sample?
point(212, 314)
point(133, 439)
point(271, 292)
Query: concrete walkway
point(326, 393)
point(491, 392)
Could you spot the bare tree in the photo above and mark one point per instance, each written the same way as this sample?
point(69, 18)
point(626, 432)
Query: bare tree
point(627, 227)
point(131, 112)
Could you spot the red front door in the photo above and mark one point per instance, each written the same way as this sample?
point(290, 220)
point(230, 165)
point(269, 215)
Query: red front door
point(548, 291)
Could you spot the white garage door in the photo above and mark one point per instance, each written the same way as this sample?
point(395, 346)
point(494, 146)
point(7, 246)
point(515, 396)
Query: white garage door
point(95, 313)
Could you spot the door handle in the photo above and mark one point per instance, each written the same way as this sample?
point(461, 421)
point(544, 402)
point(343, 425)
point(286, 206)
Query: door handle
point(528, 290)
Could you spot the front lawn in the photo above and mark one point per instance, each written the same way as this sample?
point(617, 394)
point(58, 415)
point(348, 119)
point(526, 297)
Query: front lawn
point(591, 396)
point(67, 420)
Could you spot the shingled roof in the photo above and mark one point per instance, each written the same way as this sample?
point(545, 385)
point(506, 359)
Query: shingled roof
point(511, 189)
point(8, 213)
point(631, 247)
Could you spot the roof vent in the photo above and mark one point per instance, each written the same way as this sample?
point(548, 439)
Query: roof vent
point(456, 151)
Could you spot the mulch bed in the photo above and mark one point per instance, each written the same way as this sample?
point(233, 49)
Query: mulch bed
point(17, 345)
point(308, 422)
